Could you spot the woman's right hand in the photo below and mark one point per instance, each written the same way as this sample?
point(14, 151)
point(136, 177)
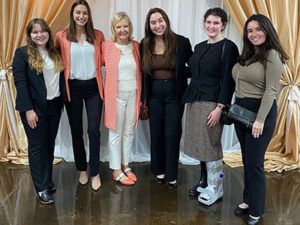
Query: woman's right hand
point(257, 129)
point(32, 118)
point(214, 117)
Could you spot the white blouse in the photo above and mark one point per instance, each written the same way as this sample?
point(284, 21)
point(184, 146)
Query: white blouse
point(82, 61)
point(127, 69)
point(50, 76)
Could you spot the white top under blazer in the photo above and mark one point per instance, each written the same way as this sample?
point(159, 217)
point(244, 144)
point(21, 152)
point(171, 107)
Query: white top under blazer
point(82, 61)
point(50, 76)
point(127, 69)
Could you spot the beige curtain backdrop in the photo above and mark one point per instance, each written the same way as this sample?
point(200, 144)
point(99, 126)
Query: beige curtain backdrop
point(283, 151)
point(14, 17)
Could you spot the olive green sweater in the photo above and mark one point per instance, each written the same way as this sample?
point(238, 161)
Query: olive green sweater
point(253, 81)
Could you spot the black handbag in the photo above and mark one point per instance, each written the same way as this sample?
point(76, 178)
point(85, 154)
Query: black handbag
point(241, 116)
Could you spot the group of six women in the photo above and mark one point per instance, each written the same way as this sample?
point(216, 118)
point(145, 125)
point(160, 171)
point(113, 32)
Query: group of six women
point(48, 75)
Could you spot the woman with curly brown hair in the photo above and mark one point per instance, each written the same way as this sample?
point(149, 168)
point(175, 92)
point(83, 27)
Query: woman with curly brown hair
point(211, 88)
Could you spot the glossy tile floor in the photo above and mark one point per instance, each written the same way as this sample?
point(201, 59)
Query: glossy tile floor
point(146, 203)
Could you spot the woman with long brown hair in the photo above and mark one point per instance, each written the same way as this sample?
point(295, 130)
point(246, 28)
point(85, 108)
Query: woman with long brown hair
point(164, 55)
point(80, 46)
point(257, 75)
point(38, 76)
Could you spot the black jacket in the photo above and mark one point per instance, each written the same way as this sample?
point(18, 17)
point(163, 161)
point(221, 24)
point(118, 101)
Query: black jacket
point(31, 88)
point(211, 66)
point(183, 54)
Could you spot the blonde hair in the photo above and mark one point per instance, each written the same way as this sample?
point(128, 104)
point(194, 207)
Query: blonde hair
point(116, 19)
point(35, 59)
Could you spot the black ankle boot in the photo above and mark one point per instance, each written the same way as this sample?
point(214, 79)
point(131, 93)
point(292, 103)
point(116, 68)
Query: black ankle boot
point(202, 182)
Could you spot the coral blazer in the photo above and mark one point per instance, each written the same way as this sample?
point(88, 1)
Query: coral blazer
point(111, 59)
point(64, 45)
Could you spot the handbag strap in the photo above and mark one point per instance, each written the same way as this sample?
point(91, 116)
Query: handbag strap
point(223, 50)
point(222, 58)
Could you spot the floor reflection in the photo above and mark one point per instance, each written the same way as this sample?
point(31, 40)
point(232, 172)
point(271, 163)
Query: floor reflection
point(145, 203)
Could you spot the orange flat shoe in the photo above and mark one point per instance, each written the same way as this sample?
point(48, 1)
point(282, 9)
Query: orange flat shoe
point(130, 175)
point(127, 181)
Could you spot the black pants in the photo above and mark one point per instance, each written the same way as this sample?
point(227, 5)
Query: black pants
point(87, 91)
point(41, 143)
point(165, 114)
point(253, 154)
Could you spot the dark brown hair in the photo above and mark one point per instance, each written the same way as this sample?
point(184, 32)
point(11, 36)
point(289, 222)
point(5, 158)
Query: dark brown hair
point(89, 27)
point(169, 38)
point(217, 12)
point(249, 55)
point(35, 60)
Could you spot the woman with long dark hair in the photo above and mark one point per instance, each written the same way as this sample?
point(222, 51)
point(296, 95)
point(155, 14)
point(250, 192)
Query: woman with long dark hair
point(40, 94)
point(211, 88)
point(80, 46)
point(257, 75)
point(164, 55)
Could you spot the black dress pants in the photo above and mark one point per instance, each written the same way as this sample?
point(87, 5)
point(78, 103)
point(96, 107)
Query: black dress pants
point(165, 114)
point(41, 143)
point(85, 91)
point(253, 154)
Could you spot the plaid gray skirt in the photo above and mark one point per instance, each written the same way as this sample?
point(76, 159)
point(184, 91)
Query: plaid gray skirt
point(200, 141)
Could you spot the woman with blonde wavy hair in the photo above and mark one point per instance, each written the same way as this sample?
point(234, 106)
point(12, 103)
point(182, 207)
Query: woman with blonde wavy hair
point(122, 90)
point(37, 70)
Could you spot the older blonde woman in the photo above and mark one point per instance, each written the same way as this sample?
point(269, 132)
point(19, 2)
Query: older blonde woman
point(122, 90)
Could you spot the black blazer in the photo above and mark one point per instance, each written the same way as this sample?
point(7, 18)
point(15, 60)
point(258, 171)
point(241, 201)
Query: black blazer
point(211, 66)
point(183, 54)
point(31, 88)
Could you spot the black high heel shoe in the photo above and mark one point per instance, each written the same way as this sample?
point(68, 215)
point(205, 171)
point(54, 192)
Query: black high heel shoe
point(240, 211)
point(159, 180)
point(172, 186)
point(202, 182)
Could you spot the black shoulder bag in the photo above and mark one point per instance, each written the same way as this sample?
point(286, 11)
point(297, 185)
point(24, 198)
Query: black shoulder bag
point(236, 113)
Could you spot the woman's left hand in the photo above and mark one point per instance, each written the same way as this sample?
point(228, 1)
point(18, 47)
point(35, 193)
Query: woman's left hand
point(257, 128)
point(214, 117)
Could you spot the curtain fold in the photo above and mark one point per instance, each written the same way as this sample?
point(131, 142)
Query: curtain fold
point(15, 16)
point(283, 151)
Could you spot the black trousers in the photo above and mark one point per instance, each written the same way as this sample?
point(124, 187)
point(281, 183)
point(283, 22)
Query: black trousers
point(85, 91)
point(165, 114)
point(253, 153)
point(41, 143)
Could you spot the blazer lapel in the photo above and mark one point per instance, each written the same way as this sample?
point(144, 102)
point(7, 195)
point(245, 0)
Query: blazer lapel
point(67, 49)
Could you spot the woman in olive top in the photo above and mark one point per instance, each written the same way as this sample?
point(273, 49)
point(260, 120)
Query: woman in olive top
point(210, 89)
point(257, 75)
